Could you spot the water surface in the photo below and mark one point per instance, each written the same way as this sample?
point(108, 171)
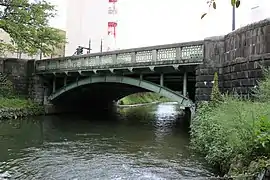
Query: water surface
point(135, 143)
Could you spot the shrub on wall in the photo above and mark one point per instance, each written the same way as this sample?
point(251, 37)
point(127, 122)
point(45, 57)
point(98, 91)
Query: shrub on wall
point(6, 87)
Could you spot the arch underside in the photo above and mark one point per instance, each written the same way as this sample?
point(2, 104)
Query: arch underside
point(109, 88)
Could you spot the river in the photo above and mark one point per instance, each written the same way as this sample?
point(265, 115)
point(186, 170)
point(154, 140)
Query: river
point(148, 143)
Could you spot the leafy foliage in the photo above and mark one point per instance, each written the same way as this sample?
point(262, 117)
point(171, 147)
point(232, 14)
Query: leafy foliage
point(12, 106)
point(233, 130)
point(27, 25)
point(140, 98)
point(213, 4)
point(263, 91)
point(6, 87)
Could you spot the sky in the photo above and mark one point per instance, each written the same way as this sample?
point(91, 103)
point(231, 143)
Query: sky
point(152, 22)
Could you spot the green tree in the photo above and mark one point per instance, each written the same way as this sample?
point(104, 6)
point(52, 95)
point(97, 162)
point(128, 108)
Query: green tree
point(28, 26)
point(213, 4)
point(216, 95)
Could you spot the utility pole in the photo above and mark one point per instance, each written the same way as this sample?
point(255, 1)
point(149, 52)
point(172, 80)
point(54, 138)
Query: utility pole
point(233, 18)
point(89, 47)
point(101, 45)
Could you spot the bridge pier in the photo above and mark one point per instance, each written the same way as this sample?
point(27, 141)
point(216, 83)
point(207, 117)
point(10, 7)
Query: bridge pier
point(162, 79)
point(54, 84)
point(65, 80)
point(185, 84)
point(45, 96)
point(141, 77)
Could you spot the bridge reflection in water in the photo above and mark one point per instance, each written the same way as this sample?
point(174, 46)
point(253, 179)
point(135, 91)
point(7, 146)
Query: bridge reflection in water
point(138, 143)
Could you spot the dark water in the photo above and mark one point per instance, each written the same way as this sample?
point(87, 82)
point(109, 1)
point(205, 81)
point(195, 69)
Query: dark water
point(138, 143)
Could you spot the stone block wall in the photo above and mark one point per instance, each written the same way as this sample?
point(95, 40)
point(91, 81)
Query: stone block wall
point(237, 57)
point(242, 74)
point(21, 73)
point(213, 60)
point(18, 72)
point(253, 39)
point(36, 89)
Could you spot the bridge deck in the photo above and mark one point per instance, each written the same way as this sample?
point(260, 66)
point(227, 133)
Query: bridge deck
point(179, 54)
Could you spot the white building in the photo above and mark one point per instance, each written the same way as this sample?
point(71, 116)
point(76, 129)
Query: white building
point(86, 19)
point(259, 10)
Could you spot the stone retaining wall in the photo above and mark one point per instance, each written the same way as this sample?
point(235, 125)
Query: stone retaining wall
point(21, 73)
point(213, 58)
point(242, 74)
point(18, 71)
point(236, 57)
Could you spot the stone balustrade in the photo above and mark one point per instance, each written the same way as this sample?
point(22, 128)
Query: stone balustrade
point(180, 53)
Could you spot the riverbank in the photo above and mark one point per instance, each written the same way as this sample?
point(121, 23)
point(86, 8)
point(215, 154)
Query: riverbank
point(234, 134)
point(142, 98)
point(11, 105)
point(13, 108)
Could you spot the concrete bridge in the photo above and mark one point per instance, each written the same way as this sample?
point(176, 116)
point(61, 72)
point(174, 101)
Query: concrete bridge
point(106, 77)
point(183, 71)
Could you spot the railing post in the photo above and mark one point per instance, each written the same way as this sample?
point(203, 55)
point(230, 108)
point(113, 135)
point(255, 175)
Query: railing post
point(185, 84)
point(133, 57)
point(178, 53)
point(82, 62)
point(154, 55)
point(97, 61)
point(161, 79)
point(114, 58)
point(141, 77)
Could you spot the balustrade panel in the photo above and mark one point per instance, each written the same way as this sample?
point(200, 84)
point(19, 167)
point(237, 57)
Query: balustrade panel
point(144, 56)
point(166, 54)
point(124, 58)
point(190, 52)
point(105, 60)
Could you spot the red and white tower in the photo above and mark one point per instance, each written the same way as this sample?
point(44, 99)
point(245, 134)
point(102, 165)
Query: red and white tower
point(112, 25)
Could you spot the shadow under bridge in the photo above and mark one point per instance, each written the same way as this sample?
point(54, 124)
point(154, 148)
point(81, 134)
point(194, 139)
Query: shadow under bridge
point(101, 91)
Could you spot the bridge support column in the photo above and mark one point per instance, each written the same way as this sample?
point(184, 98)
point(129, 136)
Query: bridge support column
point(161, 79)
point(185, 84)
point(45, 96)
point(141, 77)
point(54, 84)
point(65, 80)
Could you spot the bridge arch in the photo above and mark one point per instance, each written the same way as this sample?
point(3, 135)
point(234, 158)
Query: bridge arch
point(166, 92)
